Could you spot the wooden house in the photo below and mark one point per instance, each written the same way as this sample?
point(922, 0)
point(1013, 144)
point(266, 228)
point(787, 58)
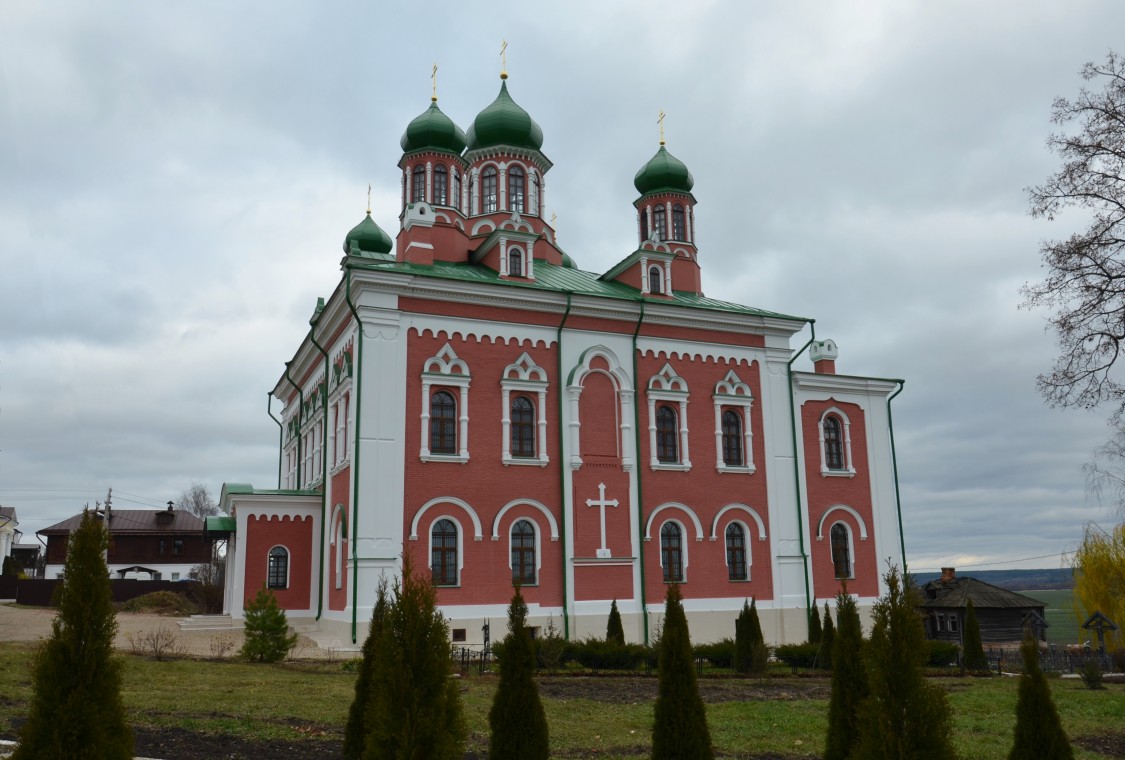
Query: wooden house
point(1001, 614)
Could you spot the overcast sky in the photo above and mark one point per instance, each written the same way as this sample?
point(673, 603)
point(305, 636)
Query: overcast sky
point(176, 180)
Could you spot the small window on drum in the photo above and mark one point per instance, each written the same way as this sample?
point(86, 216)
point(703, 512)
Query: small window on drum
point(678, 222)
point(659, 222)
point(456, 190)
point(488, 197)
point(655, 280)
point(441, 185)
point(516, 188)
point(515, 263)
point(418, 184)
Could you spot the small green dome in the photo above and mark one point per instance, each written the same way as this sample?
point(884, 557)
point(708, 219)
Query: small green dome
point(504, 123)
point(433, 129)
point(663, 172)
point(567, 262)
point(368, 237)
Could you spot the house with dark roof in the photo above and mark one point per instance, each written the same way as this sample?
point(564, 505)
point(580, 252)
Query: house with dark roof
point(9, 531)
point(145, 544)
point(1001, 614)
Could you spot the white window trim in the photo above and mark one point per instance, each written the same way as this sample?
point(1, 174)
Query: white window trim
point(665, 275)
point(529, 379)
point(624, 408)
point(538, 548)
point(338, 542)
point(460, 547)
point(667, 386)
point(849, 470)
point(683, 549)
point(851, 551)
point(288, 566)
point(438, 370)
point(732, 392)
point(746, 543)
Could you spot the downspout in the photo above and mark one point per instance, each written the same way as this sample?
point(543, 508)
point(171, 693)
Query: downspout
point(323, 467)
point(300, 422)
point(797, 468)
point(280, 435)
point(894, 465)
point(562, 463)
point(355, 456)
point(640, 487)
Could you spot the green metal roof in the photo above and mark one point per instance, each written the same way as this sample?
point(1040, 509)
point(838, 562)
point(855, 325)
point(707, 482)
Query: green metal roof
point(433, 130)
point(368, 237)
point(222, 524)
point(663, 172)
point(564, 279)
point(504, 123)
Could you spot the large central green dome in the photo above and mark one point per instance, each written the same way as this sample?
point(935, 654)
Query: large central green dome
point(504, 123)
point(663, 172)
point(433, 130)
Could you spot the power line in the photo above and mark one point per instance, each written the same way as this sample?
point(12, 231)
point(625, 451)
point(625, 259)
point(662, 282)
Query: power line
point(1005, 562)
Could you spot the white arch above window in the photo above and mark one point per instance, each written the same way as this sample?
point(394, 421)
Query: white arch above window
point(732, 385)
point(446, 362)
point(841, 508)
point(531, 503)
point(525, 368)
point(674, 505)
point(667, 381)
point(341, 514)
point(478, 534)
point(741, 508)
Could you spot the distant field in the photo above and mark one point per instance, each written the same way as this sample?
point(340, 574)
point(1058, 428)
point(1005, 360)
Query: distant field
point(1064, 625)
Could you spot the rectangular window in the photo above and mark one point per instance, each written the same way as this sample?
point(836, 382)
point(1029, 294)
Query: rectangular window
point(175, 576)
point(459, 635)
point(953, 623)
point(161, 549)
point(178, 546)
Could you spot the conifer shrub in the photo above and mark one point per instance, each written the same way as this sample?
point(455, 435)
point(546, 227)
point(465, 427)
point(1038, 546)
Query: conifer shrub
point(973, 650)
point(517, 720)
point(943, 654)
point(414, 708)
point(759, 652)
point(10, 568)
point(76, 709)
point(614, 632)
point(743, 640)
point(267, 631)
point(719, 653)
point(827, 640)
point(1039, 733)
point(679, 730)
point(849, 681)
point(355, 732)
point(550, 647)
point(815, 631)
point(903, 716)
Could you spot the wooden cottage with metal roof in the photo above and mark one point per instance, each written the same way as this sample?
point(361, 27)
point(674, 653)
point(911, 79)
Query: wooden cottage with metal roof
point(1001, 614)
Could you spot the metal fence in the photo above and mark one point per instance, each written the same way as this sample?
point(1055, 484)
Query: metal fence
point(1054, 659)
point(468, 659)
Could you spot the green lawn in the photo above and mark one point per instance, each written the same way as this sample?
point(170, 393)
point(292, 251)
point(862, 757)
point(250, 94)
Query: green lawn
point(302, 701)
point(1062, 619)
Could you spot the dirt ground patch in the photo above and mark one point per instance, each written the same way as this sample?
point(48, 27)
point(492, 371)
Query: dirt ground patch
point(1110, 744)
point(713, 691)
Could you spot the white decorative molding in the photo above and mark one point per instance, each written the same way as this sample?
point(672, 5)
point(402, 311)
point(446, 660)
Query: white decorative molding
point(531, 503)
point(674, 505)
point(732, 392)
point(478, 534)
point(841, 508)
point(482, 331)
point(849, 470)
point(524, 376)
point(750, 511)
point(446, 369)
point(623, 387)
point(669, 387)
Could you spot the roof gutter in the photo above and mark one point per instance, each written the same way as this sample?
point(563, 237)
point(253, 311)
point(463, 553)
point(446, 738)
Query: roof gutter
point(637, 465)
point(797, 468)
point(894, 465)
point(280, 435)
point(300, 422)
point(358, 364)
point(562, 463)
point(323, 464)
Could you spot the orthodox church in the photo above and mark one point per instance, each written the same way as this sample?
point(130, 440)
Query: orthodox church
point(471, 396)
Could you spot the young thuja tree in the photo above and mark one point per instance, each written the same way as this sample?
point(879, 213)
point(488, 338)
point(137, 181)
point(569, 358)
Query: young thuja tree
point(743, 640)
point(679, 730)
point(972, 649)
point(10, 568)
point(827, 640)
point(849, 681)
point(517, 720)
point(759, 652)
point(815, 632)
point(1039, 733)
point(414, 708)
point(614, 631)
point(355, 734)
point(267, 631)
point(76, 709)
point(903, 716)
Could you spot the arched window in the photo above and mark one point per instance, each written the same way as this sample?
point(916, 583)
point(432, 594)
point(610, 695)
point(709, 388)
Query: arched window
point(516, 187)
point(678, 222)
point(523, 427)
point(418, 184)
point(833, 444)
point(515, 262)
point(523, 553)
point(654, 278)
point(736, 552)
point(488, 201)
point(658, 221)
point(672, 552)
point(732, 439)
point(644, 225)
point(339, 569)
point(667, 435)
point(443, 423)
point(277, 573)
point(456, 190)
point(841, 551)
point(441, 185)
point(443, 556)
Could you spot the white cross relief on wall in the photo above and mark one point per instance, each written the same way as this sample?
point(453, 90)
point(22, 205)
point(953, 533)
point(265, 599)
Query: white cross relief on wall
point(601, 503)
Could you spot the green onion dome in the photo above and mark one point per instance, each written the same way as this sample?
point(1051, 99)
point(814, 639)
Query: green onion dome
point(433, 130)
point(567, 262)
point(504, 123)
point(663, 172)
point(368, 237)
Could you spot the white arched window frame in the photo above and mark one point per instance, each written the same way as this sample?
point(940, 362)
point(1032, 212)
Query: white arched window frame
point(273, 575)
point(622, 386)
point(733, 394)
point(748, 557)
point(527, 259)
point(665, 265)
point(683, 549)
point(339, 523)
point(447, 371)
point(848, 471)
point(526, 377)
point(666, 386)
point(538, 533)
point(460, 545)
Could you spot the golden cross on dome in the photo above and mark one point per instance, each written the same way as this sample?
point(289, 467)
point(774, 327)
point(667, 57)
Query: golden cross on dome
point(503, 59)
point(369, 199)
point(433, 76)
point(660, 121)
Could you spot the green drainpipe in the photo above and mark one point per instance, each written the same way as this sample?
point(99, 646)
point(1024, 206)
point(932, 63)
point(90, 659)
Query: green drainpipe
point(300, 421)
point(640, 478)
point(355, 457)
point(894, 464)
point(797, 468)
point(562, 463)
point(280, 435)
point(323, 465)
